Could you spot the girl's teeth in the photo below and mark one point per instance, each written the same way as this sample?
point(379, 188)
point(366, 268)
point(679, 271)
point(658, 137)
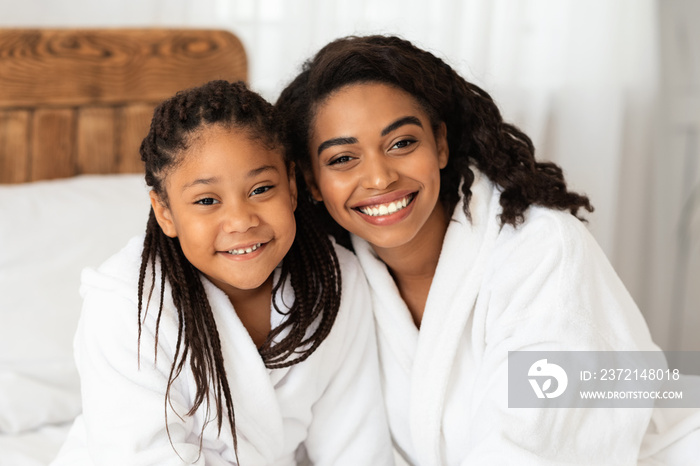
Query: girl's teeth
point(238, 252)
point(386, 209)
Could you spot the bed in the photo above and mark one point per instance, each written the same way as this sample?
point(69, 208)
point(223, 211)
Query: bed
point(74, 107)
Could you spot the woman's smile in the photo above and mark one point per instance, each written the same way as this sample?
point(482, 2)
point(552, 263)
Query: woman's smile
point(387, 213)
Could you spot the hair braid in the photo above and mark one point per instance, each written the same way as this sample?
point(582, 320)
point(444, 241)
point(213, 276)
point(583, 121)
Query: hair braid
point(311, 264)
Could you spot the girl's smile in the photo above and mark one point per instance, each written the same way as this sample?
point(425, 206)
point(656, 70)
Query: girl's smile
point(376, 163)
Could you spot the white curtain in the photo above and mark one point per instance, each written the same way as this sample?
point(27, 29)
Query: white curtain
point(601, 86)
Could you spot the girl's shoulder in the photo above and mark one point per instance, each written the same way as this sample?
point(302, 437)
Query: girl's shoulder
point(119, 273)
point(350, 269)
point(355, 306)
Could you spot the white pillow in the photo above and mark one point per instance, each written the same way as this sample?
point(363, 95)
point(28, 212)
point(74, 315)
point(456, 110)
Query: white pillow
point(49, 231)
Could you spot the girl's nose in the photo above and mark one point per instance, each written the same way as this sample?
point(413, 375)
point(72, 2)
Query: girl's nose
point(239, 217)
point(378, 172)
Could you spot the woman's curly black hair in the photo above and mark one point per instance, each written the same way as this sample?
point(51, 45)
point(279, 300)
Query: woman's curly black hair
point(476, 132)
point(311, 263)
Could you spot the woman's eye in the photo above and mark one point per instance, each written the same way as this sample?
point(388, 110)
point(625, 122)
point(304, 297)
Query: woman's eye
point(403, 144)
point(340, 160)
point(206, 201)
point(261, 190)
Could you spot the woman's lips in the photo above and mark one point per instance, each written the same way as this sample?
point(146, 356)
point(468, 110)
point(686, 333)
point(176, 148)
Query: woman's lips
point(393, 209)
point(386, 208)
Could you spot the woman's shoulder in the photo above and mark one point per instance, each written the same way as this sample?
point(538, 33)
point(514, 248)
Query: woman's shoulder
point(546, 231)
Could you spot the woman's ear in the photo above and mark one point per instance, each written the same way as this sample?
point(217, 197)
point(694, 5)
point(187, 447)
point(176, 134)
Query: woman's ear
point(163, 215)
point(442, 147)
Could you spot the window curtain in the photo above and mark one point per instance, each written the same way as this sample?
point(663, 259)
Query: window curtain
point(608, 89)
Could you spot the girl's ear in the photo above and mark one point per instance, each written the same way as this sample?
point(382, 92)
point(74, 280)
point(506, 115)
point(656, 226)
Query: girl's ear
point(442, 147)
point(293, 185)
point(163, 215)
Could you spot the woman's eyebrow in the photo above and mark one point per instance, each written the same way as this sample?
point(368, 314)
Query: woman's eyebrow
point(335, 142)
point(407, 120)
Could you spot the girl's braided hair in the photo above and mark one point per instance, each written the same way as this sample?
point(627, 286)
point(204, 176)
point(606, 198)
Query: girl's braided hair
point(476, 132)
point(311, 263)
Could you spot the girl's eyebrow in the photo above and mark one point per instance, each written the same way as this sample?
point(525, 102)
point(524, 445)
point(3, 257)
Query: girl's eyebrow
point(210, 180)
point(256, 171)
point(407, 120)
point(215, 179)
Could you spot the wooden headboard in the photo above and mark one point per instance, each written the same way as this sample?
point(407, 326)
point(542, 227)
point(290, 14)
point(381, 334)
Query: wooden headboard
point(76, 101)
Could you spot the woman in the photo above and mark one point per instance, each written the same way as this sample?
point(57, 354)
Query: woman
point(472, 249)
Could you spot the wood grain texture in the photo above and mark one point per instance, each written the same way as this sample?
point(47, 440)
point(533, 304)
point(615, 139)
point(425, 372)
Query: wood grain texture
point(82, 67)
point(80, 101)
point(14, 145)
point(134, 121)
point(96, 147)
point(52, 142)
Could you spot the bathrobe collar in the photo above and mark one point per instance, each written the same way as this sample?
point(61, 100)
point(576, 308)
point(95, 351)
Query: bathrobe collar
point(429, 354)
point(257, 411)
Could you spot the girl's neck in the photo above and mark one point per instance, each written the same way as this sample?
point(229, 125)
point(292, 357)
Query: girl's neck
point(253, 309)
point(413, 265)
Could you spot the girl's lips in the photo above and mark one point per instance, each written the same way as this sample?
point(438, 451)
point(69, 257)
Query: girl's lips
point(245, 252)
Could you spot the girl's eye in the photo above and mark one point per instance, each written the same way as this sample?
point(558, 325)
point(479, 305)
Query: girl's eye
point(404, 143)
point(207, 201)
point(340, 160)
point(261, 190)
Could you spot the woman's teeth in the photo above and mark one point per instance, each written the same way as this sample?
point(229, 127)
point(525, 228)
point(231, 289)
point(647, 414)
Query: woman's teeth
point(386, 209)
point(248, 250)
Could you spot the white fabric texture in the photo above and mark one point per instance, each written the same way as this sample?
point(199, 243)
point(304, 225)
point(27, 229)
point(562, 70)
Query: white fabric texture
point(544, 285)
point(329, 405)
point(50, 231)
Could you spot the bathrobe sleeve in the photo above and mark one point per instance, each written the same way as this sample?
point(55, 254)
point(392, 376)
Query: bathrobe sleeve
point(549, 287)
point(124, 399)
point(349, 424)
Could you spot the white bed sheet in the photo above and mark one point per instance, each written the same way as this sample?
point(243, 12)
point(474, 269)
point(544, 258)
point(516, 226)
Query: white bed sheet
point(49, 231)
point(33, 448)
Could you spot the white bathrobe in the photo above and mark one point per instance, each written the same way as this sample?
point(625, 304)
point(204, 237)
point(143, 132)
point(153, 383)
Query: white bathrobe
point(327, 409)
point(545, 285)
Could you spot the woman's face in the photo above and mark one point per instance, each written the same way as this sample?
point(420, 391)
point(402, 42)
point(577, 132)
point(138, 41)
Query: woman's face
point(376, 163)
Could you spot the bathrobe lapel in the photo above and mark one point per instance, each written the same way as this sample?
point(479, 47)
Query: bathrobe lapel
point(394, 323)
point(256, 408)
point(427, 356)
point(468, 244)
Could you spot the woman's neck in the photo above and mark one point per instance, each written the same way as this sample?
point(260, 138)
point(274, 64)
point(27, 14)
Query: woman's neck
point(413, 265)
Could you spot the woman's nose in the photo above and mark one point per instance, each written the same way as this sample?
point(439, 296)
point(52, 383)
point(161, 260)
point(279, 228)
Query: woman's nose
point(378, 172)
point(239, 217)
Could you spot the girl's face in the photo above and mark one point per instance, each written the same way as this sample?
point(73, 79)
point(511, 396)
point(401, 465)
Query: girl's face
point(231, 205)
point(376, 163)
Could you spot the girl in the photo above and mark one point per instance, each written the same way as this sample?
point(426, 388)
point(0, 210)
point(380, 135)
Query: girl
point(221, 306)
point(471, 248)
